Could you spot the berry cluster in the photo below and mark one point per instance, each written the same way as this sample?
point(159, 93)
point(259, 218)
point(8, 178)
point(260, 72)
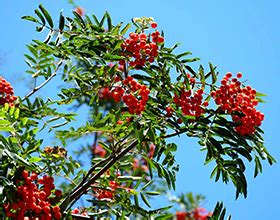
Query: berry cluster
point(192, 80)
point(140, 165)
point(141, 47)
point(117, 93)
point(133, 94)
point(99, 151)
point(191, 102)
point(201, 214)
point(106, 194)
point(80, 212)
point(6, 93)
point(169, 111)
point(34, 200)
point(135, 104)
point(197, 214)
point(104, 93)
point(181, 215)
point(240, 102)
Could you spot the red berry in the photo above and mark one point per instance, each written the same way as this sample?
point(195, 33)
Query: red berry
point(181, 215)
point(160, 40)
point(205, 104)
point(153, 25)
point(46, 209)
point(34, 176)
point(42, 195)
point(239, 75)
point(119, 122)
point(179, 121)
point(56, 209)
point(58, 193)
point(75, 211)
point(229, 75)
point(24, 174)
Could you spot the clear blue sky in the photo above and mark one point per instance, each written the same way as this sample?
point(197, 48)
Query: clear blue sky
point(240, 35)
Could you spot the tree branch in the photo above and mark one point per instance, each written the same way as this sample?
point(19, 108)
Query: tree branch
point(82, 188)
point(175, 133)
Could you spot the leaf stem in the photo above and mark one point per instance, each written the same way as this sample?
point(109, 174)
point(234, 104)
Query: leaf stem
point(35, 89)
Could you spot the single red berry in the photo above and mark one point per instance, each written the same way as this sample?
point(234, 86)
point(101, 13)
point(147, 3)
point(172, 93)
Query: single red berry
point(181, 215)
point(34, 176)
point(46, 209)
point(56, 209)
point(160, 39)
point(239, 75)
point(25, 174)
point(58, 193)
point(80, 11)
point(75, 211)
point(229, 75)
point(205, 104)
point(42, 195)
point(153, 25)
point(179, 121)
point(119, 122)
point(57, 215)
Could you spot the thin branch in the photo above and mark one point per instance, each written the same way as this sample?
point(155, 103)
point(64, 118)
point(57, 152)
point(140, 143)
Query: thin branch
point(67, 178)
point(79, 191)
point(91, 170)
point(175, 133)
point(35, 89)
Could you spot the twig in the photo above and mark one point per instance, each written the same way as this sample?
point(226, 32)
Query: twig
point(44, 83)
point(175, 133)
point(79, 191)
point(67, 178)
point(91, 170)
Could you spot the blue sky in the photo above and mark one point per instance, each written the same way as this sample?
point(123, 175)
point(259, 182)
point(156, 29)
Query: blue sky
point(240, 35)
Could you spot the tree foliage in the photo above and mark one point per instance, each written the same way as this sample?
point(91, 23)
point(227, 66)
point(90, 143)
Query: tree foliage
point(139, 93)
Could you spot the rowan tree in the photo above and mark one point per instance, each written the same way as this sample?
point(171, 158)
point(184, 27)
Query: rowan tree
point(138, 93)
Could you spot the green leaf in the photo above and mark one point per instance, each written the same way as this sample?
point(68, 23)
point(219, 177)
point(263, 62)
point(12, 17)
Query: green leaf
point(80, 20)
point(61, 22)
point(35, 159)
point(19, 159)
point(217, 145)
point(213, 74)
point(39, 29)
point(190, 60)
point(152, 193)
point(38, 13)
point(201, 75)
point(112, 57)
point(258, 166)
point(109, 21)
point(136, 201)
point(258, 94)
point(16, 114)
point(102, 21)
point(30, 18)
point(102, 212)
point(124, 30)
point(47, 15)
point(183, 54)
point(147, 184)
point(145, 200)
point(95, 20)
